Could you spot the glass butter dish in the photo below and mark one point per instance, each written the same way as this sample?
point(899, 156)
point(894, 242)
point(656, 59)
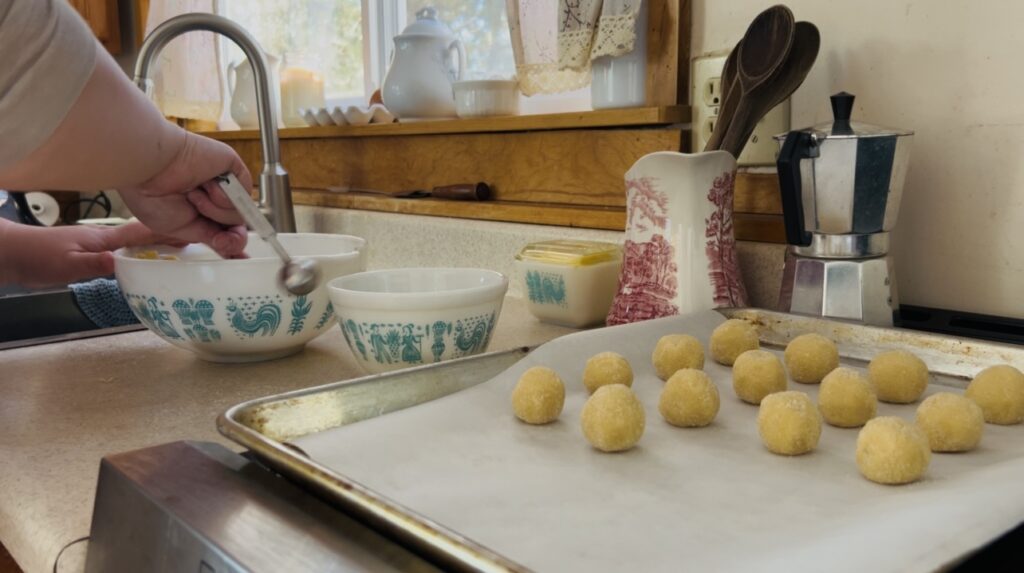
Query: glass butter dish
point(571, 283)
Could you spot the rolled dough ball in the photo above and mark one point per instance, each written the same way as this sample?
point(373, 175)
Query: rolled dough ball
point(756, 374)
point(732, 338)
point(953, 423)
point(689, 399)
point(613, 418)
point(676, 351)
point(606, 368)
point(809, 357)
point(789, 423)
point(999, 390)
point(891, 450)
point(846, 398)
point(538, 396)
point(898, 376)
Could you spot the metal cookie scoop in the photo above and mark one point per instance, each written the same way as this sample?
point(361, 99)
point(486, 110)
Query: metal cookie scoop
point(298, 276)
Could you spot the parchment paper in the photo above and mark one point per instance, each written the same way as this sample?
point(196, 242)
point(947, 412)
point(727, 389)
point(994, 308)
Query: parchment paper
point(704, 499)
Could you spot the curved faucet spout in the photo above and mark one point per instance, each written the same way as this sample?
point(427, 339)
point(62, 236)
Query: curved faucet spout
point(275, 191)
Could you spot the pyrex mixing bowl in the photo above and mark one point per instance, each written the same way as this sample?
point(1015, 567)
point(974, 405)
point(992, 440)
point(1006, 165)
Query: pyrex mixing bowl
point(234, 310)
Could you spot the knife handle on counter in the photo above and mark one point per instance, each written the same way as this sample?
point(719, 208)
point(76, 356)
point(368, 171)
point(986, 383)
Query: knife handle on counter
point(463, 192)
point(459, 192)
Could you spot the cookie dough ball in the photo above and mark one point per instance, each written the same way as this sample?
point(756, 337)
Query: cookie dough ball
point(689, 399)
point(953, 423)
point(846, 398)
point(789, 423)
point(999, 390)
point(676, 351)
point(756, 374)
point(606, 368)
point(898, 376)
point(809, 357)
point(732, 338)
point(613, 418)
point(538, 396)
point(892, 451)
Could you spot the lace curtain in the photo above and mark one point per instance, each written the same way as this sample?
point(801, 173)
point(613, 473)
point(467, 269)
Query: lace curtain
point(589, 29)
point(533, 25)
point(187, 78)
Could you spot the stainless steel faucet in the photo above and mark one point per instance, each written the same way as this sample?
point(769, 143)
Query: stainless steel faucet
point(275, 191)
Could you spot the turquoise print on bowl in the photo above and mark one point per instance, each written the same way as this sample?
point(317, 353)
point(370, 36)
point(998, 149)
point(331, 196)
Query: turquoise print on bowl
point(213, 326)
point(546, 288)
point(400, 318)
point(411, 344)
point(234, 310)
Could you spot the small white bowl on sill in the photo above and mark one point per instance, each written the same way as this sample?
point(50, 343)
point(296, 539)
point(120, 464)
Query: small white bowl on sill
point(482, 98)
point(399, 318)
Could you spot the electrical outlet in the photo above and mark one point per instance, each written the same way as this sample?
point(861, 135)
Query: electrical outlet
point(706, 72)
point(706, 97)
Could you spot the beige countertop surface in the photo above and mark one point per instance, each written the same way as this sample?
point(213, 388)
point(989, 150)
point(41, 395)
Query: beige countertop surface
point(66, 405)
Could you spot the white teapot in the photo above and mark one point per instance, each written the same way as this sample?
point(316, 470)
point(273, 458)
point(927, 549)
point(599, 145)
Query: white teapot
point(242, 85)
point(419, 82)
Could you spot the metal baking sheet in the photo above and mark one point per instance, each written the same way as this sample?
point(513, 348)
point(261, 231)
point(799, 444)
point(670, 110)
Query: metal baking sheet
point(522, 497)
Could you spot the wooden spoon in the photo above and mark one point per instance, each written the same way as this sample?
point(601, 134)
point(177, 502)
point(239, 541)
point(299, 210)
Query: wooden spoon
point(763, 51)
point(729, 97)
point(806, 43)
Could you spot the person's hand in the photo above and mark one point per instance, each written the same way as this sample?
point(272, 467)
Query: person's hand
point(44, 256)
point(183, 202)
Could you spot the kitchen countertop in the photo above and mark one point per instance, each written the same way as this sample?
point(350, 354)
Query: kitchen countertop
point(64, 406)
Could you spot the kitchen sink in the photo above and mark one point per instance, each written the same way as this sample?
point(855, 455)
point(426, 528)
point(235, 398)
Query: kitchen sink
point(38, 317)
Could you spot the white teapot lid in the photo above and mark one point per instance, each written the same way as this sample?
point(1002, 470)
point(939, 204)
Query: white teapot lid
point(427, 24)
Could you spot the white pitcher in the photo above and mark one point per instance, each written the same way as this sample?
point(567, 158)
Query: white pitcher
point(419, 82)
point(242, 85)
point(680, 253)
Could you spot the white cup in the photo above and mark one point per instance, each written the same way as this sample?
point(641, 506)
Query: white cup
point(620, 81)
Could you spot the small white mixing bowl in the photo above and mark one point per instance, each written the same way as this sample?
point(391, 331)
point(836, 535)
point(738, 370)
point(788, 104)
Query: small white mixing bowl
point(482, 98)
point(234, 310)
point(400, 318)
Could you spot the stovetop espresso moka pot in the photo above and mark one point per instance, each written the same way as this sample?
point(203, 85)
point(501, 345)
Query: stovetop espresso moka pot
point(841, 185)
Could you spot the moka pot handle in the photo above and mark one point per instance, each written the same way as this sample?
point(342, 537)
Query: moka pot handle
point(799, 145)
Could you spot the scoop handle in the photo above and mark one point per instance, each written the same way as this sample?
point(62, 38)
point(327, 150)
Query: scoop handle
point(246, 207)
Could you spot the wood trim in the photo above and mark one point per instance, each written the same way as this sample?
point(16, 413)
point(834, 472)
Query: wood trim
point(103, 19)
point(141, 13)
point(641, 116)
point(591, 217)
point(757, 193)
point(747, 227)
point(763, 228)
point(668, 52)
point(576, 167)
point(555, 177)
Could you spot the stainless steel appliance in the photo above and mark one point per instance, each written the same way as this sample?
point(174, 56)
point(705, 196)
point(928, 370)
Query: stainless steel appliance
point(841, 185)
point(188, 506)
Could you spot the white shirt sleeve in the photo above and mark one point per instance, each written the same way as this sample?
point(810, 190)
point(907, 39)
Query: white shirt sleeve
point(47, 54)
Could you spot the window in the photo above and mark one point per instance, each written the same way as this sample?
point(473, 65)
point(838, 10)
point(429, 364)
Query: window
point(331, 37)
point(483, 28)
point(348, 43)
point(324, 36)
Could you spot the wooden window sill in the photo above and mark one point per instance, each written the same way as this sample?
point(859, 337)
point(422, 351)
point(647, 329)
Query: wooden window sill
point(559, 169)
point(631, 117)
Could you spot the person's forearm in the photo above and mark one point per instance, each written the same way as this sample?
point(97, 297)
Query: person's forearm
point(113, 137)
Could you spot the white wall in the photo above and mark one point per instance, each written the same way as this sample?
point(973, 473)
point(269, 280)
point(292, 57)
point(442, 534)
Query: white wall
point(951, 70)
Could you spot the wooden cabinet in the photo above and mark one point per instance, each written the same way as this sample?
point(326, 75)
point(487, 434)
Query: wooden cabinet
point(102, 17)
